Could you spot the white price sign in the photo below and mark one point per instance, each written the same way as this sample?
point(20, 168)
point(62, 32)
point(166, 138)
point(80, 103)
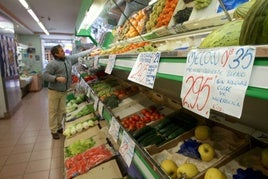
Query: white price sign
point(217, 79)
point(96, 62)
point(126, 148)
point(145, 69)
point(100, 108)
point(110, 64)
point(96, 103)
point(114, 129)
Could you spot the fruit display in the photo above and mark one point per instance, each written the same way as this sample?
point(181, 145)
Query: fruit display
point(201, 4)
point(78, 147)
point(226, 35)
point(207, 152)
point(167, 13)
point(204, 154)
point(250, 164)
point(202, 132)
point(213, 173)
point(155, 12)
point(242, 10)
point(130, 48)
point(83, 162)
point(187, 171)
point(170, 168)
point(183, 15)
point(254, 27)
point(165, 130)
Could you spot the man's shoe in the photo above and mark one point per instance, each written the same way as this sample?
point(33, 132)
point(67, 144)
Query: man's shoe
point(60, 131)
point(55, 136)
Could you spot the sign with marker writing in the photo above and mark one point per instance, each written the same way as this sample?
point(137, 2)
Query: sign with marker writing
point(114, 129)
point(96, 62)
point(217, 79)
point(110, 64)
point(145, 69)
point(126, 148)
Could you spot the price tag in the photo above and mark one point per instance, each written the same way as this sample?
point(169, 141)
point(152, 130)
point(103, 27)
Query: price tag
point(88, 92)
point(217, 79)
point(96, 103)
point(145, 69)
point(100, 108)
point(96, 62)
point(110, 64)
point(126, 148)
point(114, 129)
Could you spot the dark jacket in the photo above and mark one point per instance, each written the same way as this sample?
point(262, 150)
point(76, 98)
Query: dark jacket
point(61, 67)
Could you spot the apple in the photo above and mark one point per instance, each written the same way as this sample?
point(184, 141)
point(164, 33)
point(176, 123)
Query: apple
point(170, 167)
point(264, 157)
point(187, 170)
point(202, 132)
point(206, 152)
point(214, 173)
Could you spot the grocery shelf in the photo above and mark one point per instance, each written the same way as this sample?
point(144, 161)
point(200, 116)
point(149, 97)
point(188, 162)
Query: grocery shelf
point(172, 66)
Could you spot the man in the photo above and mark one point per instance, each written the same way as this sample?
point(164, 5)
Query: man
point(58, 75)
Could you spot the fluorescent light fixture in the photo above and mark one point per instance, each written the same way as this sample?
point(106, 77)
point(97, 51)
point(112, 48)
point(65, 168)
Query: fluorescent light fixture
point(43, 28)
point(92, 14)
point(24, 3)
point(34, 16)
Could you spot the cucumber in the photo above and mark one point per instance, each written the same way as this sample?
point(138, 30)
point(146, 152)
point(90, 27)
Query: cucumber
point(167, 128)
point(141, 131)
point(146, 135)
point(171, 130)
point(156, 139)
point(162, 123)
point(176, 133)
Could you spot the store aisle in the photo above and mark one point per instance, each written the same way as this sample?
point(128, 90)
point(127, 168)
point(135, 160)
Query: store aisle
point(27, 150)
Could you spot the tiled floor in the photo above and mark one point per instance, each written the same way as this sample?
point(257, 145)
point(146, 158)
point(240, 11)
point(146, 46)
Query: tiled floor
point(27, 150)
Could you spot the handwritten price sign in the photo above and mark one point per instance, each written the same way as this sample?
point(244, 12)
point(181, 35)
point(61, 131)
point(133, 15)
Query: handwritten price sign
point(126, 148)
point(110, 64)
point(114, 129)
point(217, 79)
point(145, 69)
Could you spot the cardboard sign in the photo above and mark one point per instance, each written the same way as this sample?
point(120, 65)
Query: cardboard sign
point(110, 64)
point(145, 69)
point(126, 148)
point(217, 79)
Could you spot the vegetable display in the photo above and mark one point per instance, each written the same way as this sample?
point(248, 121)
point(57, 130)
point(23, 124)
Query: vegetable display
point(79, 146)
point(85, 161)
point(78, 127)
point(255, 25)
point(87, 109)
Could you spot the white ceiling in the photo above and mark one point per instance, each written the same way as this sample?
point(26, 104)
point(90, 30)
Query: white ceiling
point(58, 16)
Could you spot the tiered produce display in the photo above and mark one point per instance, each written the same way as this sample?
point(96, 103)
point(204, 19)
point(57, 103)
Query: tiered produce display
point(175, 145)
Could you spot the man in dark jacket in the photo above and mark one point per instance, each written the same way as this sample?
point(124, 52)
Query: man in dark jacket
point(58, 74)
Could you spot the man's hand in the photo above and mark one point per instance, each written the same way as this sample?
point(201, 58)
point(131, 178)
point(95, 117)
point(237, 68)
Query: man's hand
point(61, 79)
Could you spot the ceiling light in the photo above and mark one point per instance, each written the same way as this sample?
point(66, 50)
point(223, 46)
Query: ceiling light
point(24, 3)
point(34, 16)
point(92, 14)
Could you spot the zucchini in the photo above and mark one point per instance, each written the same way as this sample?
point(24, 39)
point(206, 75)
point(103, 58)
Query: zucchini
point(171, 130)
point(167, 128)
point(146, 135)
point(162, 123)
point(156, 139)
point(176, 133)
point(141, 131)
